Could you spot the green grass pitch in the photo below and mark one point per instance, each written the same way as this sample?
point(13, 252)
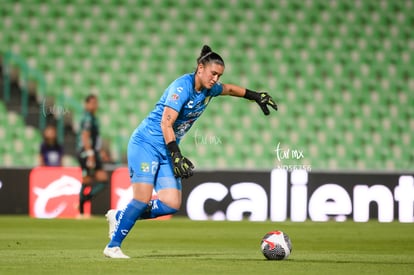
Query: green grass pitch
point(181, 246)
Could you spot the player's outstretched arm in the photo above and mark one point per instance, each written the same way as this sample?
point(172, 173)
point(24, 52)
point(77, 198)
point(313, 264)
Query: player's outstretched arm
point(263, 99)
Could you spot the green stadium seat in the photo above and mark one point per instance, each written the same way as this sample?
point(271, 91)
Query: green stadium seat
point(321, 60)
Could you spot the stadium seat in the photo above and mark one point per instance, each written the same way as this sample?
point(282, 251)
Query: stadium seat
point(339, 70)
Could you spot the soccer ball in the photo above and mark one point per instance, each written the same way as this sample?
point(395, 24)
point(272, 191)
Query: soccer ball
point(276, 245)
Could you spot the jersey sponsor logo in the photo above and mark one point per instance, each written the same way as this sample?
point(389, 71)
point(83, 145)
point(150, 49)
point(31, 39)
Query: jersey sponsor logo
point(190, 104)
point(182, 128)
point(194, 114)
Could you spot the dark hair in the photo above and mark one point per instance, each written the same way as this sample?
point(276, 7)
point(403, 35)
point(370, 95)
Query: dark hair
point(89, 97)
point(208, 56)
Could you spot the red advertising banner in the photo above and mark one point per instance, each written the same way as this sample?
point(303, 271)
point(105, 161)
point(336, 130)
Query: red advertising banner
point(121, 190)
point(54, 192)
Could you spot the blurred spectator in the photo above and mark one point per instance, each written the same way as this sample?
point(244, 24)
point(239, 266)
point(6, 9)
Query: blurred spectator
point(51, 152)
point(95, 178)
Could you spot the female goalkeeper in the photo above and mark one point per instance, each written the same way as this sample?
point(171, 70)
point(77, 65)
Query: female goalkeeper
point(154, 157)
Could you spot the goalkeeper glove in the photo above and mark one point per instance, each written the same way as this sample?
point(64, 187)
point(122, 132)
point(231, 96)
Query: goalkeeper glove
point(263, 99)
point(183, 168)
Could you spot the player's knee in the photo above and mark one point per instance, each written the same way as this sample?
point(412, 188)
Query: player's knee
point(170, 197)
point(142, 196)
point(142, 192)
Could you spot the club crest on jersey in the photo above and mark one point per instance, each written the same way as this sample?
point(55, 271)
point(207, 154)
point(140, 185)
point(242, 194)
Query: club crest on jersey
point(145, 167)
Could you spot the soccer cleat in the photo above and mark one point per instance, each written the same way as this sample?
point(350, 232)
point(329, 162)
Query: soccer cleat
point(114, 252)
point(111, 218)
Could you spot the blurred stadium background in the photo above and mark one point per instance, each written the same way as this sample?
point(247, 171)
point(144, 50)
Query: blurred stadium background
point(341, 72)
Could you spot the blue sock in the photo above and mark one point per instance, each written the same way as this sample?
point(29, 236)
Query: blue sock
point(126, 220)
point(156, 209)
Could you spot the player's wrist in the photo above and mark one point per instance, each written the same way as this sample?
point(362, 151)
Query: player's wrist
point(251, 95)
point(173, 147)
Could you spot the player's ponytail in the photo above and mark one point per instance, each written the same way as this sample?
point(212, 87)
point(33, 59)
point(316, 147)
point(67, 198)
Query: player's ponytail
point(208, 56)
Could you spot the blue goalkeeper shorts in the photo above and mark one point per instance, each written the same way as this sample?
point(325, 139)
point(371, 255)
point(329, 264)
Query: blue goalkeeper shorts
point(148, 163)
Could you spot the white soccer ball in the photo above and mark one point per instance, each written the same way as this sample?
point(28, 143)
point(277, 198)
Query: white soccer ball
point(276, 245)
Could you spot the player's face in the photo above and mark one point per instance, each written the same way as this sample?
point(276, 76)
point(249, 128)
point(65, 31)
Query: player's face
point(209, 74)
point(92, 105)
point(50, 135)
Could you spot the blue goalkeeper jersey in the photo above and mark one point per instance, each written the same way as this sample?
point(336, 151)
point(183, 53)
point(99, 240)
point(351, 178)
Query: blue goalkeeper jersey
point(182, 97)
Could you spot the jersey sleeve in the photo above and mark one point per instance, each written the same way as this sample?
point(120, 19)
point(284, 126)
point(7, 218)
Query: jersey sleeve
point(86, 124)
point(216, 90)
point(177, 95)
